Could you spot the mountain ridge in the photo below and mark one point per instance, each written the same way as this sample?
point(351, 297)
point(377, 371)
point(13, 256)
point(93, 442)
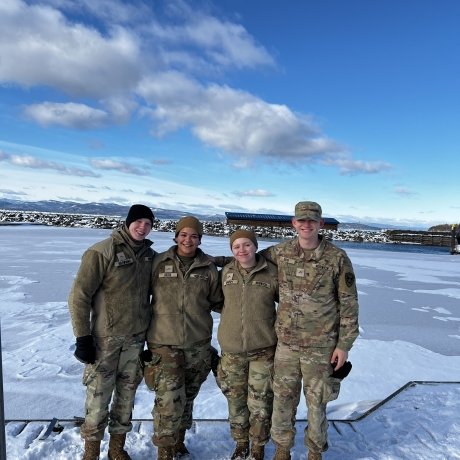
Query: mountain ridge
point(113, 209)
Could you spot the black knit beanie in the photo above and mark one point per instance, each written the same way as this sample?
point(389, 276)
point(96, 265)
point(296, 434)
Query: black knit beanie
point(139, 211)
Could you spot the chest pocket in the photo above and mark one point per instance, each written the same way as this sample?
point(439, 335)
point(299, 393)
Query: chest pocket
point(302, 276)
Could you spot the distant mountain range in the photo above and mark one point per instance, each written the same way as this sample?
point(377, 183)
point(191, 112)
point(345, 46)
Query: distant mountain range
point(112, 209)
point(104, 209)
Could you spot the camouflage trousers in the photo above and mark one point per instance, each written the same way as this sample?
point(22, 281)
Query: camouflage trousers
point(176, 379)
point(115, 376)
point(246, 380)
point(311, 364)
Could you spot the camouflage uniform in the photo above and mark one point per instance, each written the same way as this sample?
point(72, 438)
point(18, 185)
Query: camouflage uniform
point(318, 312)
point(110, 300)
point(116, 371)
point(247, 338)
point(246, 380)
point(179, 338)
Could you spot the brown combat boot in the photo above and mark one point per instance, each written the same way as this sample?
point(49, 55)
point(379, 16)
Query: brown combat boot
point(241, 451)
point(166, 453)
point(116, 444)
point(314, 456)
point(282, 453)
point(257, 452)
point(92, 450)
point(180, 450)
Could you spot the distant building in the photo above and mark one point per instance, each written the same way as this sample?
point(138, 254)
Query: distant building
point(270, 220)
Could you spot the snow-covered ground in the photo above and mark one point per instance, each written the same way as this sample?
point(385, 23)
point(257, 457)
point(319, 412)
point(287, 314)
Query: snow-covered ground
point(410, 331)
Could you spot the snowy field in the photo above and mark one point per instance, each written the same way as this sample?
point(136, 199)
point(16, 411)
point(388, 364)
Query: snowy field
point(410, 331)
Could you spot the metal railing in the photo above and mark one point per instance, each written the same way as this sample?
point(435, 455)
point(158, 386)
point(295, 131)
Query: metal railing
point(2, 405)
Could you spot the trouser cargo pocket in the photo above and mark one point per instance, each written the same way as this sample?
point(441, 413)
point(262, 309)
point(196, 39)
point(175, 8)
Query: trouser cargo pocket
point(150, 362)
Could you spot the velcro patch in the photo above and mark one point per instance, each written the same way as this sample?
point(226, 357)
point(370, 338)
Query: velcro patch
point(198, 276)
point(261, 284)
point(349, 279)
point(227, 282)
point(168, 275)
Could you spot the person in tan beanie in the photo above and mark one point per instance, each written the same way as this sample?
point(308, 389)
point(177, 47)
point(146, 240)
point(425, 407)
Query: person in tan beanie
point(190, 222)
point(186, 288)
point(247, 339)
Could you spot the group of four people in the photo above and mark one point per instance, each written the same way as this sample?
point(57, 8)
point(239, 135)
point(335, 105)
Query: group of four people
point(125, 294)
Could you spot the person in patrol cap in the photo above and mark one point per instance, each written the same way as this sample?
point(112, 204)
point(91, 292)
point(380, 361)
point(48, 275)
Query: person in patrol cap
point(316, 326)
point(308, 210)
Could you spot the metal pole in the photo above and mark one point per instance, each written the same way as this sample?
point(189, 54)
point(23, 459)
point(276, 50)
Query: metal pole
point(2, 406)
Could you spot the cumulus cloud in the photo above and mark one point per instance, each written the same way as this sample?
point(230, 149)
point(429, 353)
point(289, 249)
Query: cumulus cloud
point(40, 46)
point(70, 115)
point(29, 161)
point(162, 62)
point(208, 42)
point(115, 165)
point(232, 120)
point(106, 10)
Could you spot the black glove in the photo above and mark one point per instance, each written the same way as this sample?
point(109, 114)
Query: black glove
point(215, 358)
point(146, 356)
point(343, 371)
point(85, 350)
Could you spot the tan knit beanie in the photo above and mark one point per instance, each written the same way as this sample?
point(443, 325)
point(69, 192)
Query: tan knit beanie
point(249, 234)
point(191, 222)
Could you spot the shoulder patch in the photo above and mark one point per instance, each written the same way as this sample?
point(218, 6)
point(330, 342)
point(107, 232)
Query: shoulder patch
point(349, 279)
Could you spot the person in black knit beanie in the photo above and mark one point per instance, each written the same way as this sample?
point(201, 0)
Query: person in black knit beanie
point(110, 311)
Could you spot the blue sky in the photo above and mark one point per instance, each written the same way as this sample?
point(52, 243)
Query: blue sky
point(232, 105)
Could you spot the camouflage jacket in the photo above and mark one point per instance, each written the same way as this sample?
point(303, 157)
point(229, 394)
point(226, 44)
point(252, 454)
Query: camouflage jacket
point(182, 304)
point(248, 318)
point(111, 293)
point(318, 296)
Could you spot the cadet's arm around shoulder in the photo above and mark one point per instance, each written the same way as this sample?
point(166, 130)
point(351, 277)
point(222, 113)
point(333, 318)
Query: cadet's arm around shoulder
point(220, 261)
point(269, 254)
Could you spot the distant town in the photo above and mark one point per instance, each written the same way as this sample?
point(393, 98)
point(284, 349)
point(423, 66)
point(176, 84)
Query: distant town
point(110, 216)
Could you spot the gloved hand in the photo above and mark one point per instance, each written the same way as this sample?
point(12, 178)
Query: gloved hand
point(215, 358)
point(146, 356)
point(343, 371)
point(85, 350)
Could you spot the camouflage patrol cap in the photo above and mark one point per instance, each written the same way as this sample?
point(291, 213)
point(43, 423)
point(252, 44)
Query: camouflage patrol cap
point(308, 210)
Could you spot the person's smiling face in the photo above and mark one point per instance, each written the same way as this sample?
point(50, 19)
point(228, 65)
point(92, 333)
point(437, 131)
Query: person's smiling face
point(139, 229)
point(244, 251)
point(187, 241)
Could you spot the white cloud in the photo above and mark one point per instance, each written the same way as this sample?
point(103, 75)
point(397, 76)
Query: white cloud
point(12, 192)
point(147, 60)
point(29, 161)
point(255, 192)
point(348, 166)
point(403, 191)
point(107, 10)
point(40, 46)
point(222, 43)
point(70, 115)
point(121, 166)
point(232, 120)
